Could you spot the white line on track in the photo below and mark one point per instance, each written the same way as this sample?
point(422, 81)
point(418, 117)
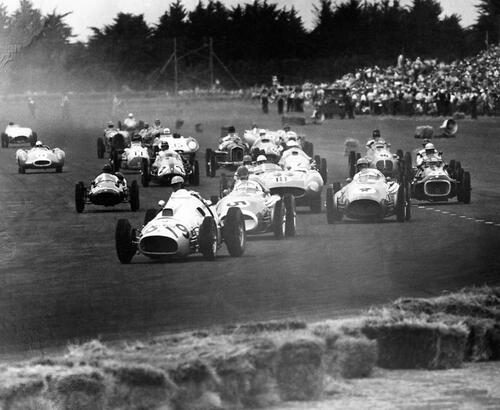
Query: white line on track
point(491, 223)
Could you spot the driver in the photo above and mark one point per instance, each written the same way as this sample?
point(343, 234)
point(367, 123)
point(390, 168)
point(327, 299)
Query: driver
point(424, 155)
point(39, 144)
point(130, 121)
point(107, 169)
point(376, 137)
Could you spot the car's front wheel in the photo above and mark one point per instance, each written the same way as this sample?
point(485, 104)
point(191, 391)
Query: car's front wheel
point(207, 238)
point(279, 220)
point(290, 216)
point(234, 232)
point(124, 241)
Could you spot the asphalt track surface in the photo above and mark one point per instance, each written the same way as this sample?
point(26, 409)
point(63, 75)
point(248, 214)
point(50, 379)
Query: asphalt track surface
point(60, 279)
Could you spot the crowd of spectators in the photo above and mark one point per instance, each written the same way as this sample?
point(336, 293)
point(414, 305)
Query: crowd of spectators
point(414, 87)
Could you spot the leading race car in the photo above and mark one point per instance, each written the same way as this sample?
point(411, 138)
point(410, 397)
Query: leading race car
point(40, 157)
point(107, 190)
point(369, 196)
point(229, 153)
point(15, 134)
point(262, 212)
point(312, 173)
point(437, 182)
point(186, 224)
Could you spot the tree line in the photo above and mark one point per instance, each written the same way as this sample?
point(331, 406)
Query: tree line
point(250, 43)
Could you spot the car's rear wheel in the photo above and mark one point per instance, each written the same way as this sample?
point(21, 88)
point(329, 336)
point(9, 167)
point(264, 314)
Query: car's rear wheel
point(290, 216)
point(234, 232)
point(79, 197)
point(323, 170)
point(196, 173)
point(101, 148)
point(207, 238)
point(124, 241)
point(401, 204)
point(150, 215)
point(408, 168)
point(5, 140)
point(134, 196)
point(465, 188)
point(145, 177)
point(352, 163)
point(279, 220)
point(21, 168)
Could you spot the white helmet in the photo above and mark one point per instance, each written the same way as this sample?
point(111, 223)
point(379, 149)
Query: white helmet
point(130, 115)
point(292, 135)
point(38, 144)
point(177, 180)
point(167, 131)
point(262, 158)
point(429, 146)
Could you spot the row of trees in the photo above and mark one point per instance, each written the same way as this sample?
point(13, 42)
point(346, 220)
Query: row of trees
point(254, 41)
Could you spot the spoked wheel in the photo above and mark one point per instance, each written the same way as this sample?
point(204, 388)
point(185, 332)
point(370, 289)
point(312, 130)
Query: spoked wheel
point(134, 196)
point(207, 238)
point(290, 216)
point(124, 241)
point(234, 232)
point(79, 197)
point(279, 220)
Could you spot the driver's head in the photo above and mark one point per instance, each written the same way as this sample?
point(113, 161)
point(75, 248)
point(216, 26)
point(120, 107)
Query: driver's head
point(110, 124)
point(242, 173)
point(38, 144)
point(157, 122)
point(429, 148)
point(376, 134)
point(164, 146)
point(177, 183)
point(247, 160)
point(261, 159)
point(362, 163)
point(130, 115)
point(107, 168)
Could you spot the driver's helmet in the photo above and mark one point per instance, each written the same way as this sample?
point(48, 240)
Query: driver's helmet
point(292, 135)
point(157, 122)
point(110, 124)
point(164, 146)
point(167, 131)
point(261, 159)
point(130, 115)
point(292, 143)
point(361, 164)
point(429, 148)
point(136, 137)
point(247, 159)
point(242, 173)
point(376, 134)
point(177, 180)
point(231, 130)
point(425, 142)
point(38, 144)
point(107, 168)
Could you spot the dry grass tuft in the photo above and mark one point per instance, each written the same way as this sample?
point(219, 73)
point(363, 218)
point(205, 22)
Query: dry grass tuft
point(82, 391)
point(138, 375)
point(300, 371)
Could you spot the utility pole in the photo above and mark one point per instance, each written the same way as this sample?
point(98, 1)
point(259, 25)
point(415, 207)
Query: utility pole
point(175, 67)
point(211, 62)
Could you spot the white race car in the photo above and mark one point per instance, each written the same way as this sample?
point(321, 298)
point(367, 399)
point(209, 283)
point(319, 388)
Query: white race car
point(381, 158)
point(166, 165)
point(268, 146)
point(262, 212)
point(312, 173)
point(107, 190)
point(15, 134)
point(186, 224)
point(40, 157)
point(368, 197)
point(133, 156)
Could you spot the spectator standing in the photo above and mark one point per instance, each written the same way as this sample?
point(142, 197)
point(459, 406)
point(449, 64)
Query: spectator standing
point(264, 99)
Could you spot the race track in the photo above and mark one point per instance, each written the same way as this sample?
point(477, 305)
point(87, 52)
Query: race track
point(60, 278)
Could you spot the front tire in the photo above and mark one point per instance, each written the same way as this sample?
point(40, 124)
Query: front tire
point(134, 196)
point(207, 238)
point(401, 204)
point(196, 173)
point(79, 197)
point(332, 213)
point(124, 236)
point(234, 232)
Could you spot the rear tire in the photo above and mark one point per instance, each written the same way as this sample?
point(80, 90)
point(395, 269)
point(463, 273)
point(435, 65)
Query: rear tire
point(196, 173)
point(134, 196)
point(401, 204)
point(352, 163)
point(145, 177)
point(290, 216)
point(332, 213)
point(279, 220)
point(21, 169)
point(234, 232)
point(323, 170)
point(101, 148)
point(207, 238)
point(125, 247)
point(79, 197)
point(465, 187)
